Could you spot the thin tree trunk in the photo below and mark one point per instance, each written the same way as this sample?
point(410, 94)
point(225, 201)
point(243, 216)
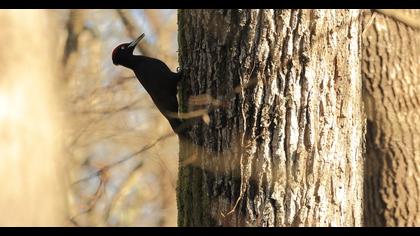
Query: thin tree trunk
point(283, 145)
point(391, 92)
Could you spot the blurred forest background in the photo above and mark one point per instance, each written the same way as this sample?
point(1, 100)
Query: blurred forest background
point(119, 151)
point(115, 180)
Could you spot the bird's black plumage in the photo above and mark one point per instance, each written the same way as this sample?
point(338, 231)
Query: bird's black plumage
point(155, 76)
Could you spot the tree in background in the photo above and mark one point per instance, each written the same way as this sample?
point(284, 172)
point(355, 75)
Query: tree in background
point(391, 72)
point(31, 157)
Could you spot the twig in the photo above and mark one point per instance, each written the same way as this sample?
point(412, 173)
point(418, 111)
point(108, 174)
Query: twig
point(120, 188)
point(126, 158)
point(120, 109)
point(118, 82)
point(96, 196)
point(372, 17)
point(401, 17)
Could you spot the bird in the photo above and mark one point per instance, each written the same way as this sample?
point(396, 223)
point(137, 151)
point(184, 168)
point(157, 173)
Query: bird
point(155, 76)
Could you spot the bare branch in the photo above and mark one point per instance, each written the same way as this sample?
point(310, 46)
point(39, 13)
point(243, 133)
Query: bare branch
point(117, 194)
point(134, 31)
point(130, 106)
point(372, 17)
point(124, 159)
point(96, 196)
point(213, 103)
point(116, 82)
point(154, 20)
point(400, 16)
point(75, 28)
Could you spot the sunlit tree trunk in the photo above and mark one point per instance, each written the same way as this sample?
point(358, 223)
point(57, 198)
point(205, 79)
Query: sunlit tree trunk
point(391, 71)
point(31, 182)
point(284, 146)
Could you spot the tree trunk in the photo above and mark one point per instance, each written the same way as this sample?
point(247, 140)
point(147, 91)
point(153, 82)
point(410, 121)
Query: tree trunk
point(31, 177)
point(282, 144)
point(390, 67)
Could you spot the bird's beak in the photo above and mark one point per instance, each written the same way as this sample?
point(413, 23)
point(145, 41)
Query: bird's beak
point(135, 42)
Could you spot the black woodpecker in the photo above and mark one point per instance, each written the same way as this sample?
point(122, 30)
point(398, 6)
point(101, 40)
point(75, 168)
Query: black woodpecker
point(155, 76)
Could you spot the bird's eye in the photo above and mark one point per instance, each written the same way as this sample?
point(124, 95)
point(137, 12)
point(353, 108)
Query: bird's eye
point(122, 47)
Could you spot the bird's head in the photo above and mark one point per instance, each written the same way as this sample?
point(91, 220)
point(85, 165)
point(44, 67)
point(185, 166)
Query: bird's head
point(125, 50)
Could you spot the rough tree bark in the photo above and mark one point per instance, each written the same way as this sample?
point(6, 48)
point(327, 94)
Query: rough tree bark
point(31, 177)
point(284, 142)
point(390, 67)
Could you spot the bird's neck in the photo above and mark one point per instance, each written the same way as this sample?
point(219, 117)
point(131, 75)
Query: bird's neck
point(147, 68)
point(128, 62)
